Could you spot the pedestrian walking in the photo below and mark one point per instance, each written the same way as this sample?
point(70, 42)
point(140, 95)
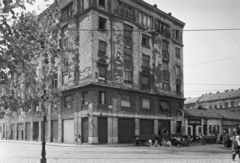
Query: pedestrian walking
point(236, 148)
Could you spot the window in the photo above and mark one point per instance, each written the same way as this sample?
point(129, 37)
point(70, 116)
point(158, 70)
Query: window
point(65, 78)
point(162, 28)
point(36, 106)
point(210, 106)
point(146, 103)
point(145, 41)
point(210, 129)
point(68, 101)
point(101, 23)
point(189, 131)
point(125, 101)
point(178, 88)
point(232, 104)
point(145, 20)
point(146, 80)
point(165, 66)
point(101, 3)
point(215, 106)
point(166, 87)
point(238, 103)
point(125, 10)
point(145, 60)
point(178, 70)
point(102, 48)
point(177, 51)
point(199, 130)
point(102, 74)
point(214, 129)
point(128, 53)
point(84, 98)
point(221, 106)
point(165, 46)
point(102, 98)
point(55, 83)
point(226, 104)
point(177, 34)
point(67, 11)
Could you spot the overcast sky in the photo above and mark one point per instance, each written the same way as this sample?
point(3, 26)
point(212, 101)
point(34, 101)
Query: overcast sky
point(201, 47)
point(220, 47)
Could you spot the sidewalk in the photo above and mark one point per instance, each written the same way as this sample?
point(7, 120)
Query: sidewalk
point(66, 144)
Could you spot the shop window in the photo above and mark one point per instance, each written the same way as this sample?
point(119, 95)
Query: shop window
point(146, 102)
point(125, 101)
point(210, 129)
point(84, 98)
point(145, 41)
point(200, 130)
point(102, 23)
point(189, 131)
point(102, 98)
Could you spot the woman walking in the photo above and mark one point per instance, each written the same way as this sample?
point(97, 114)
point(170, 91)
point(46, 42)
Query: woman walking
point(236, 148)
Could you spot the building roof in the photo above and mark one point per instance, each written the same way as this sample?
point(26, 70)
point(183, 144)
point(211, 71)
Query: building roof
point(221, 95)
point(191, 100)
point(201, 113)
point(228, 114)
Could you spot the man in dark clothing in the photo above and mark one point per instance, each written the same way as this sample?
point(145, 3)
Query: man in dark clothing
point(236, 148)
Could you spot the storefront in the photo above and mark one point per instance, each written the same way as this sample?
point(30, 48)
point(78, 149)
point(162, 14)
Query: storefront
point(229, 128)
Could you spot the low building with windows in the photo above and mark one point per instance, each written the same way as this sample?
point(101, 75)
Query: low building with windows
point(202, 122)
point(230, 122)
point(227, 100)
point(125, 80)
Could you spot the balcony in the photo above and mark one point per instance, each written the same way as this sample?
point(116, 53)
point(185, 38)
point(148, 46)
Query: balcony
point(122, 11)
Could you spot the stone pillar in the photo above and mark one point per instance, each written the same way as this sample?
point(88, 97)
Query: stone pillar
point(31, 131)
point(24, 131)
point(110, 130)
point(93, 130)
point(115, 130)
point(155, 126)
point(49, 113)
point(16, 132)
point(137, 126)
point(60, 105)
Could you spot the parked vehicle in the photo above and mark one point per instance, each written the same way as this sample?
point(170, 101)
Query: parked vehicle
point(143, 139)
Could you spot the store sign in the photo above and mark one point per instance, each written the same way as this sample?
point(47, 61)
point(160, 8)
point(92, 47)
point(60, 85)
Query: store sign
point(229, 123)
point(194, 122)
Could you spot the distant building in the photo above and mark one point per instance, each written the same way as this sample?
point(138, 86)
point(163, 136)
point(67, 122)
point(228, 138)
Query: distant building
point(126, 79)
point(227, 100)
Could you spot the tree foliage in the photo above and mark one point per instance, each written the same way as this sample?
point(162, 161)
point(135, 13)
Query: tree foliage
point(29, 53)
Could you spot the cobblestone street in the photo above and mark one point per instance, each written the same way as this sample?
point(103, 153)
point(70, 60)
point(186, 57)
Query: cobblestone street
point(11, 152)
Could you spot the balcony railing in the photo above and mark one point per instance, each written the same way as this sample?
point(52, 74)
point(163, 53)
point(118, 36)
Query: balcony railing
point(125, 12)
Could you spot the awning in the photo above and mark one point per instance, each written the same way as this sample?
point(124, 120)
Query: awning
point(164, 105)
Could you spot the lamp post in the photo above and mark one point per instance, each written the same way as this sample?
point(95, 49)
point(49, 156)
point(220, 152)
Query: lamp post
point(43, 159)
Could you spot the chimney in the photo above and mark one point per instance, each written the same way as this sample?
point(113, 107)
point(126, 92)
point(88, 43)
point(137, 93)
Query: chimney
point(228, 90)
point(170, 14)
point(155, 6)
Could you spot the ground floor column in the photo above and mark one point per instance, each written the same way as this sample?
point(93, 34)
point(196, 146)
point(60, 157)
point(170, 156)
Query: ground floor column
point(60, 103)
point(16, 131)
point(115, 130)
point(31, 131)
point(156, 127)
point(137, 127)
point(49, 112)
point(93, 130)
point(110, 130)
point(24, 131)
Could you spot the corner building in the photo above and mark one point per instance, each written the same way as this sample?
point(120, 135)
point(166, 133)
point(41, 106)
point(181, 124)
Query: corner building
point(125, 80)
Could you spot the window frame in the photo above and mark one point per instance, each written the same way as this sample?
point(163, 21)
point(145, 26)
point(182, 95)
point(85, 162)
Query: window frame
point(68, 103)
point(101, 4)
point(147, 41)
point(121, 101)
point(178, 88)
point(178, 52)
point(102, 101)
point(145, 98)
point(178, 70)
point(100, 51)
point(102, 79)
point(84, 98)
point(103, 21)
point(64, 78)
point(145, 60)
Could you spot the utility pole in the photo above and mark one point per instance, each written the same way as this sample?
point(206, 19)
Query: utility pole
point(43, 159)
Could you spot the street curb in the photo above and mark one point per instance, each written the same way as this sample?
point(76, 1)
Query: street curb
point(68, 145)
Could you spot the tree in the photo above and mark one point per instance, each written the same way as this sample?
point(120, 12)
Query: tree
point(29, 54)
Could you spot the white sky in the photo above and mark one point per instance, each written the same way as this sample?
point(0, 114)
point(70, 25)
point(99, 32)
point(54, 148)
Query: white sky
point(200, 47)
point(205, 46)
